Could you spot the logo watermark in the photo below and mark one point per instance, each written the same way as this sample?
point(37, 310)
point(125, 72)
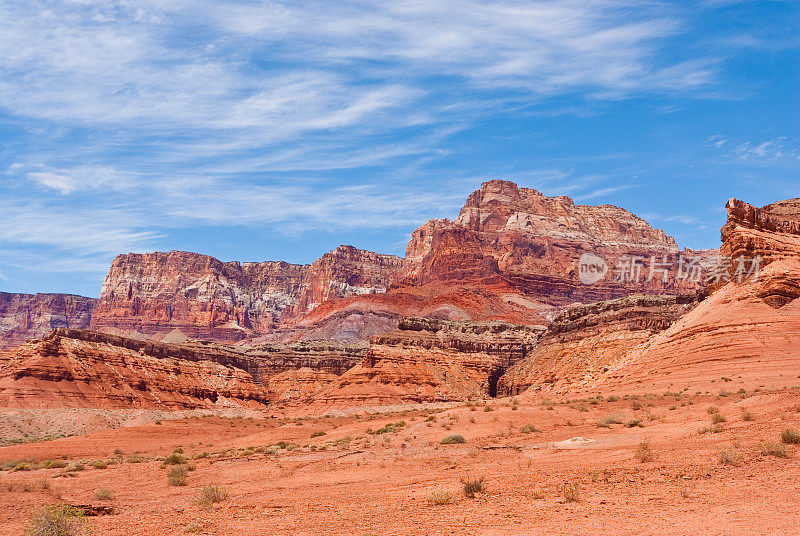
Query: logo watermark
point(685, 269)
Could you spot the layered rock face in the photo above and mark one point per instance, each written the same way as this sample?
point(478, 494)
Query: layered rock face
point(346, 271)
point(746, 330)
point(72, 368)
point(511, 255)
point(29, 316)
point(771, 232)
point(428, 360)
point(156, 293)
point(532, 243)
point(584, 341)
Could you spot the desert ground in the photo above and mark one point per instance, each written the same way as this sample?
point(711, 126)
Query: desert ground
point(688, 462)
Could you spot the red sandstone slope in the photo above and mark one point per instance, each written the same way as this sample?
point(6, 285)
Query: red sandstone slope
point(85, 369)
point(428, 360)
point(29, 316)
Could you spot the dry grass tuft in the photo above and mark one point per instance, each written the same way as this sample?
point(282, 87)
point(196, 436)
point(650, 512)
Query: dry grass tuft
point(103, 494)
point(571, 491)
point(730, 457)
point(439, 497)
point(771, 448)
point(211, 494)
point(56, 520)
point(177, 476)
point(644, 453)
point(790, 436)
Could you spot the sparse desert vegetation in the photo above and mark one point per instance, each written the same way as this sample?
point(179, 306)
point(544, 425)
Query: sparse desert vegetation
point(56, 520)
point(211, 494)
point(643, 452)
point(453, 439)
point(473, 486)
point(439, 497)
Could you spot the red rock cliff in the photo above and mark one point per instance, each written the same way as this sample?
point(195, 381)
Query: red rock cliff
point(532, 243)
point(29, 316)
point(156, 293)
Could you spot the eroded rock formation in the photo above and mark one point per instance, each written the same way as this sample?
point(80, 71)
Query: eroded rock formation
point(584, 341)
point(30, 316)
point(72, 368)
point(428, 360)
point(157, 293)
point(512, 254)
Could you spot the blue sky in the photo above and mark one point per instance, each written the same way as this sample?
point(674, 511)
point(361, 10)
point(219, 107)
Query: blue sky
point(262, 131)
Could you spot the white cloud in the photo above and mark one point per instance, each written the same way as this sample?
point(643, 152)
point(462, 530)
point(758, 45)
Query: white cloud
point(67, 181)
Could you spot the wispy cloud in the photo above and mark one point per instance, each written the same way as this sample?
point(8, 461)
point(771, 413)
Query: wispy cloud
point(780, 148)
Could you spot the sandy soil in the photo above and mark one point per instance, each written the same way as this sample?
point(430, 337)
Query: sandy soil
point(364, 483)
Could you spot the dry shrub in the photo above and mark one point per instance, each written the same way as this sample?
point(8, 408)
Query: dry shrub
point(211, 494)
point(771, 448)
point(730, 457)
point(747, 415)
point(571, 491)
point(439, 497)
point(643, 452)
point(103, 494)
point(606, 422)
point(718, 418)
point(56, 520)
point(453, 439)
point(177, 476)
point(176, 458)
point(471, 487)
point(790, 436)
